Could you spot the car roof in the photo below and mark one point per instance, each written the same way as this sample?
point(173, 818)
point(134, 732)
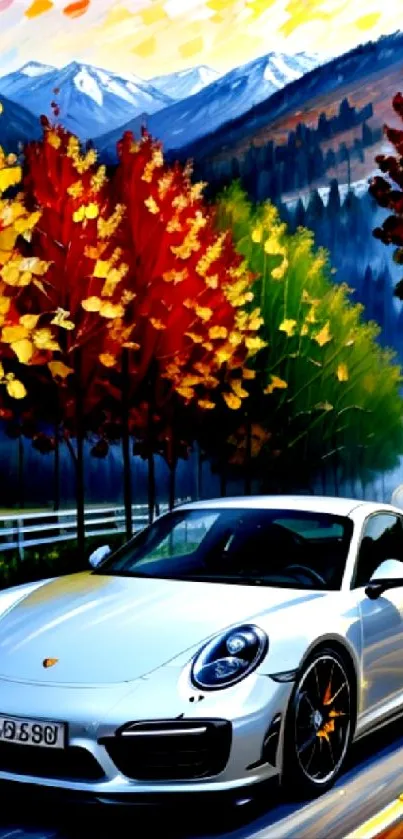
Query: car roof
point(307, 503)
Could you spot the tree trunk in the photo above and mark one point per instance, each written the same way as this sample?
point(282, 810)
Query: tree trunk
point(248, 457)
point(172, 487)
point(151, 487)
point(223, 480)
point(199, 473)
point(56, 471)
point(127, 476)
point(80, 483)
point(21, 470)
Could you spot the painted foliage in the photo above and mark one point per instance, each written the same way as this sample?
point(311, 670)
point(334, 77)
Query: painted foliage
point(280, 101)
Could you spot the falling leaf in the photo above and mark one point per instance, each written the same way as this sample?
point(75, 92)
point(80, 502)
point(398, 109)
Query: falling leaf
point(38, 7)
point(323, 336)
point(80, 7)
point(59, 370)
point(288, 326)
point(342, 373)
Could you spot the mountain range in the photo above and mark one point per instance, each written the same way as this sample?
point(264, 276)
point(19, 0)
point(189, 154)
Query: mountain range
point(90, 100)
point(197, 113)
point(93, 102)
point(221, 100)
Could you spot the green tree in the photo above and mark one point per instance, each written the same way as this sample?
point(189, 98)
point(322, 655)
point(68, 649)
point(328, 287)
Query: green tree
point(331, 400)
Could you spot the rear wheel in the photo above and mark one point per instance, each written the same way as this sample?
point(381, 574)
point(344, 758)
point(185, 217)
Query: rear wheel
point(319, 724)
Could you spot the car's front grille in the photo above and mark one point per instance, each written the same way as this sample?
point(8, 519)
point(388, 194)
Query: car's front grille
point(171, 750)
point(72, 763)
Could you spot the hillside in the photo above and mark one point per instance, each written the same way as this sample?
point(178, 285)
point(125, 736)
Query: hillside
point(17, 125)
point(370, 74)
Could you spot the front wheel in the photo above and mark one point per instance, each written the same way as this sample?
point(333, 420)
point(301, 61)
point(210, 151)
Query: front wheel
point(319, 725)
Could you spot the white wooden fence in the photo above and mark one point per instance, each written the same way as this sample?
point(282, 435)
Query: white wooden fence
point(21, 529)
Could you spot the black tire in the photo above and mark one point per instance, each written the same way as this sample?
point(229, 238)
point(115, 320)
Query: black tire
point(319, 725)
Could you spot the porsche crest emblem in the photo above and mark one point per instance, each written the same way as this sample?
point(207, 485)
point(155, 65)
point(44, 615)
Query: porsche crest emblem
point(49, 662)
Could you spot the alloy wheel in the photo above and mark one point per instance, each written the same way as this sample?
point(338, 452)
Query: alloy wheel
point(322, 719)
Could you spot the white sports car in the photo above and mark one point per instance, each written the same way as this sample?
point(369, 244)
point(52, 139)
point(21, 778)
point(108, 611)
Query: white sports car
point(231, 641)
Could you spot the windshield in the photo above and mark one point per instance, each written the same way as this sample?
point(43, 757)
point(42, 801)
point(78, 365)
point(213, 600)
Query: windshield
point(293, 549)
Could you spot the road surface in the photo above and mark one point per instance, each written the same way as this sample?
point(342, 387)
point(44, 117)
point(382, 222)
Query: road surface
point(373, 778)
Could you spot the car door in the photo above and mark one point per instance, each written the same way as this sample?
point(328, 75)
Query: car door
point(382, 619)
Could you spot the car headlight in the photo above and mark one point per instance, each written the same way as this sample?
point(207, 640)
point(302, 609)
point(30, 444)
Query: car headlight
point(225, 660)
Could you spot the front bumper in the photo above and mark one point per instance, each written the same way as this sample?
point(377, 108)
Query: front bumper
point(95, 715)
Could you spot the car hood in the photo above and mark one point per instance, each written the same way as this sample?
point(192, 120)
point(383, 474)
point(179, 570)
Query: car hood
point(105, 629)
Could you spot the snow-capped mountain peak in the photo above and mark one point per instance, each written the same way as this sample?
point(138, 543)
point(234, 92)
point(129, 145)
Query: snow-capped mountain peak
point(90, 100)
point(186, 82)
point(34, 69)
point(222, 100)
point(87, 84)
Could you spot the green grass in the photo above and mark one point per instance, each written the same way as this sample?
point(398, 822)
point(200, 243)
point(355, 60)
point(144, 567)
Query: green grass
point(49, 560)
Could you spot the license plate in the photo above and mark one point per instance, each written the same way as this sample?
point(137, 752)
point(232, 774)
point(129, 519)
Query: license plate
point(25, 732)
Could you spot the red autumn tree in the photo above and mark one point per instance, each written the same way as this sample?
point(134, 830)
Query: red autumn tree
point(190, 291)
point(388, 191)
point(132, 304)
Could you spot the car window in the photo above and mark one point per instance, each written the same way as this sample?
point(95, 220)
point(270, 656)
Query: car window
point(313, 528)
point(183, 539)
point(291, 549)
point(382, 539)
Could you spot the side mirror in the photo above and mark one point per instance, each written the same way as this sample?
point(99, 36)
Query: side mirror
point(388, 575)
point(99, 555)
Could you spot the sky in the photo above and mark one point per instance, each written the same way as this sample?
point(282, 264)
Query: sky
point(153, 37)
